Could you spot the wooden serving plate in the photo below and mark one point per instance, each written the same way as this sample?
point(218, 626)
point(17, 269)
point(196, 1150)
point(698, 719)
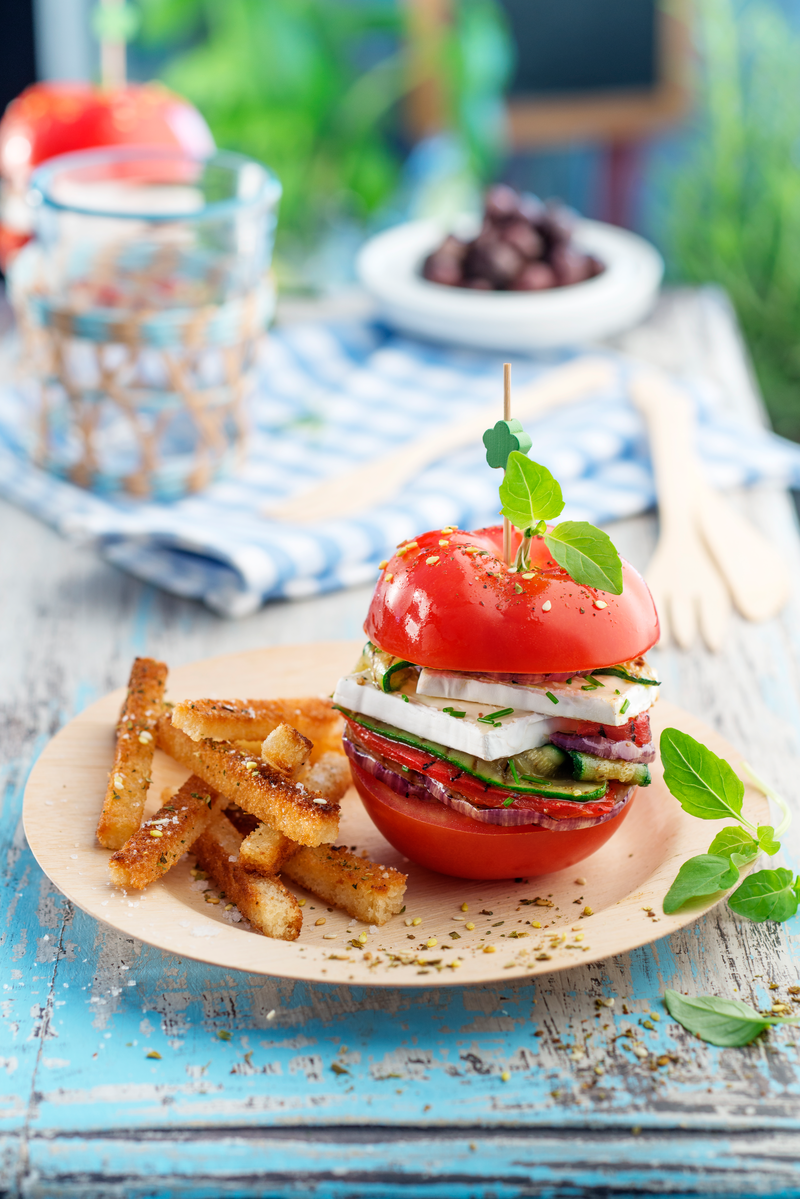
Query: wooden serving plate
point(625, 879)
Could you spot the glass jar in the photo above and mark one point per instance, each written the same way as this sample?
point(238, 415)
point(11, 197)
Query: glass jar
point(140, 303)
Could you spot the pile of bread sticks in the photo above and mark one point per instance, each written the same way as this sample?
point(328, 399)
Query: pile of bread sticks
point(262, 800)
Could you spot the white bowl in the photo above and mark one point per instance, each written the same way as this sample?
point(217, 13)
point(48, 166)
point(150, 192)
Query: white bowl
point(390, 265)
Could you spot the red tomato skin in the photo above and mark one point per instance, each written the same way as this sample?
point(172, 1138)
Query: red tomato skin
point(441, 607)
point(440, 839)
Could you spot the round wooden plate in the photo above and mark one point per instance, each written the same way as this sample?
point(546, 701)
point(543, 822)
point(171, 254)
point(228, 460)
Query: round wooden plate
point(620, 884)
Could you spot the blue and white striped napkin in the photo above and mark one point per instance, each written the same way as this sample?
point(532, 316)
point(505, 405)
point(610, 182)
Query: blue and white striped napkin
point(332, 396)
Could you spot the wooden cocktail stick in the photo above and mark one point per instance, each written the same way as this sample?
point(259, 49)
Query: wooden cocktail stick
point(506, 416)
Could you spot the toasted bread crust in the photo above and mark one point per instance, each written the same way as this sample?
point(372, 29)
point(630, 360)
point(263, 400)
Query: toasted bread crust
point(363, 889)
point(165, 837)
point(255, 719)
point(265, 902)
point(264, 851)
point(253, 785)
point(133, 757)
point(329, 776)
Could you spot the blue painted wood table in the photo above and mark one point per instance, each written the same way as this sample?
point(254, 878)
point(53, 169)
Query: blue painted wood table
point(579, 1084)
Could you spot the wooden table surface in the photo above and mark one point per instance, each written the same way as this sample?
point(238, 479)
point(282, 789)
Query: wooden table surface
point(244, 1099)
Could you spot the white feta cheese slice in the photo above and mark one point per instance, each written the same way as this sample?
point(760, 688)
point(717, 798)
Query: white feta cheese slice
point(578, 699)
point(424, 717)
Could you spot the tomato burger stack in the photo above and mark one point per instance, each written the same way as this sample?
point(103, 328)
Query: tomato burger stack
point(497, 723)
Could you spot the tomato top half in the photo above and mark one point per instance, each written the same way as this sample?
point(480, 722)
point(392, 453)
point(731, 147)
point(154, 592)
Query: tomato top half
point(442, 605)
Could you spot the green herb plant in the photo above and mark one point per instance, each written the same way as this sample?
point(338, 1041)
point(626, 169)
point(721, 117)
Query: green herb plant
point(728, 1023)
point(706, 786)
point(531, 497)
point(733, 208)
point(316, 90)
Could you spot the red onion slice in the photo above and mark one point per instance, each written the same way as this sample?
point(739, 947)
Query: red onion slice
point(428, 790)
point(605, 747)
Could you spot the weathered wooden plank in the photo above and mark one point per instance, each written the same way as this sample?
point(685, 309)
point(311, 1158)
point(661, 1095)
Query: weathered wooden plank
point(336, 1164)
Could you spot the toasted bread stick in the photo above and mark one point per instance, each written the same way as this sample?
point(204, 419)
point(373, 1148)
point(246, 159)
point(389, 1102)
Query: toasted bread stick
point(254, 785)
point(363, 889)
point(329, 776)
point(264, 851)
point(165, 837)
point(265, 902)
point(254, 720)
point(133, 757)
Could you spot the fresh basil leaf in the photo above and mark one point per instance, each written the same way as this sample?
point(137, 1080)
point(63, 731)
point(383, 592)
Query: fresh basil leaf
point(766, 839)
point(702, 875)
point(725, 1022)
point(529, 493)
point(735, 843)
point(703, 784)
point(587, 554)
point(766, 895)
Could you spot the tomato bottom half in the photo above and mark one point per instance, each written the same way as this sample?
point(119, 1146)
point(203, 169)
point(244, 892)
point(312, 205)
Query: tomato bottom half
point(434, 836)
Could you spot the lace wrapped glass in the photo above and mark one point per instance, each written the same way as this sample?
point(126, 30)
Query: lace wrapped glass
point(140, 305)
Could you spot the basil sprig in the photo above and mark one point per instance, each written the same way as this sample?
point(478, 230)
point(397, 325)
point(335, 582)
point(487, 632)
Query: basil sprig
point(707, 786)
point(725, 1022)
point(530, 497)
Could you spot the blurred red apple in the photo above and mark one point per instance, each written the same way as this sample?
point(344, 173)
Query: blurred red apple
point(54, 118)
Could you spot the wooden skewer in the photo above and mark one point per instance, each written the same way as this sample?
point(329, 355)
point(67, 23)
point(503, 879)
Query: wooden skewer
point(506, 416)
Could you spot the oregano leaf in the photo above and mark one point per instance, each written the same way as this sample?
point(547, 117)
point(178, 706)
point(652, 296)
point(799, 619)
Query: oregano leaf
point(735, 843)
point(766, 839)
point(529, 493)
point(703, 784)
point(766, 895)
point(728, 1023)
point(701, 875)
point(587, 554)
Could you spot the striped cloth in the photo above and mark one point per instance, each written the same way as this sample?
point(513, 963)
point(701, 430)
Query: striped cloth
point(331, 396)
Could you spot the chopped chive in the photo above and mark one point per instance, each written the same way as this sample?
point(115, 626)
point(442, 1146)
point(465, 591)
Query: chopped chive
point(569, 680)
point(625, 707)
point(508, 802)
point(405, 699)
point(513, 769)
point(453, 712)
point(492, 716)
point(551, 697)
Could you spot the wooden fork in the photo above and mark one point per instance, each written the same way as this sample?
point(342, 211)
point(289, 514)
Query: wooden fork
point(707, 553)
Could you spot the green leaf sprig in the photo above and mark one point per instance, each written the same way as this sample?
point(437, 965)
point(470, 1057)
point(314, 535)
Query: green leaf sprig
point(707, 786)
point(728, 1023)
point(530, 497)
